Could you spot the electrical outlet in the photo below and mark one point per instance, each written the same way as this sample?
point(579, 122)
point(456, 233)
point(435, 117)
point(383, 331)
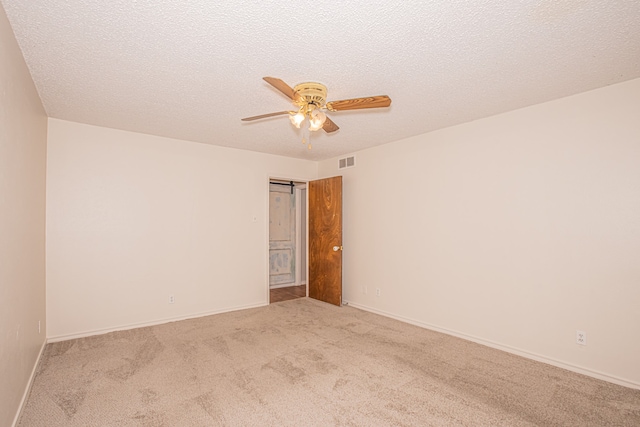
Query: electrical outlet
point(171, 299)
point(39, 327)
point(377, 292)
point(581, 337)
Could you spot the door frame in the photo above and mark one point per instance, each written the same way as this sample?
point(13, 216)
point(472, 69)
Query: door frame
point(298, 192)
point(302, 183)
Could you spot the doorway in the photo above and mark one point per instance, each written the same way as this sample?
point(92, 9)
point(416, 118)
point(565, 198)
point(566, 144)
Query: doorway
point(322, 214)
point(287, 240)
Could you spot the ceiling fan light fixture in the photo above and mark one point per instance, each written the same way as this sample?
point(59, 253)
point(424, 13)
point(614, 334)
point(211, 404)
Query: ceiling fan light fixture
point(316, 119)
point(297, 119)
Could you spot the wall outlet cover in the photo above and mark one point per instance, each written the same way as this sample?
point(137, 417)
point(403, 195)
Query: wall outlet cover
point(581, 337)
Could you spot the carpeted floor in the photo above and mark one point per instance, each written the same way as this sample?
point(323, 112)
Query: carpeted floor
point(306, 363)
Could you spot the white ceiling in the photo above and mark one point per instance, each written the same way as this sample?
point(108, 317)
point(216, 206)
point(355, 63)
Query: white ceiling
point(191, 70)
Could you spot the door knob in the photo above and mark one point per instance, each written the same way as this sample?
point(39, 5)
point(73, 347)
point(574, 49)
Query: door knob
point(337, 248)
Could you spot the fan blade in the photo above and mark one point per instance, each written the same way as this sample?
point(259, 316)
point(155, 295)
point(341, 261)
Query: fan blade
point(360, 103)
point(329, 126)
point(280, 85)
point(262, 116)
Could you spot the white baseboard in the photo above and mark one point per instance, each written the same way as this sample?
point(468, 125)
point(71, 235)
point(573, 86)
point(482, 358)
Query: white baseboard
point(65, 337)
point(286, 285)
point(533, 356)
point(282, 285)
point(27, 390)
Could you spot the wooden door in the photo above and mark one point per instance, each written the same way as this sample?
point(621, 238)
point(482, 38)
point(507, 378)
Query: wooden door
point(325, 240)
point(282, 234)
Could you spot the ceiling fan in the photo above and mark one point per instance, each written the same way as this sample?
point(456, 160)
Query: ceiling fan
point(310, 100)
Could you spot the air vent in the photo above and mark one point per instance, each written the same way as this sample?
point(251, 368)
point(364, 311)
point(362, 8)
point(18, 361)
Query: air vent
point(347, 162)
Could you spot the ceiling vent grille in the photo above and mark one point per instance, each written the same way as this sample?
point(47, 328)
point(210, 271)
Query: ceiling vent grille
point(347, 162)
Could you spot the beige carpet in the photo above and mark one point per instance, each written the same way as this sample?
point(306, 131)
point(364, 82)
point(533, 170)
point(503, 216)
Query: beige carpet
point(305, 363)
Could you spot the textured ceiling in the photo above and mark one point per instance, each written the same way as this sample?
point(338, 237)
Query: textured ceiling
point(191, 70)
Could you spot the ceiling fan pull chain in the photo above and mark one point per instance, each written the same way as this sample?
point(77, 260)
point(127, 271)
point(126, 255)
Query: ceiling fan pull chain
point(305, 130)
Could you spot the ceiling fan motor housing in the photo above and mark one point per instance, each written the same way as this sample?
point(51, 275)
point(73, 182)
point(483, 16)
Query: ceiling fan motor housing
point(310, 93)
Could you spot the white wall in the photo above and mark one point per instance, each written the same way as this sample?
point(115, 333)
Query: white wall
point(23, 133)
point(133, 218)
point(515, 230)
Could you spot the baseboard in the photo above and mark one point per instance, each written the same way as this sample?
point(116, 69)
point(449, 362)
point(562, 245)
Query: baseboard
point(286, 285)
point(27, 390)
point(533, 356)
point(65, 337)
point(282, 285)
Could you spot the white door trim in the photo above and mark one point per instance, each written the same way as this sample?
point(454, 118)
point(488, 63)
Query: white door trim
point(299, 219)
